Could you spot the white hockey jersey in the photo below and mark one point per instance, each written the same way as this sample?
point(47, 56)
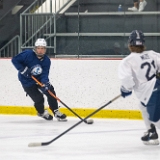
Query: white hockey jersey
point(137, 72)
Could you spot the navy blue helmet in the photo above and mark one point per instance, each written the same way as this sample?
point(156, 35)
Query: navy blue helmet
point(136, 38)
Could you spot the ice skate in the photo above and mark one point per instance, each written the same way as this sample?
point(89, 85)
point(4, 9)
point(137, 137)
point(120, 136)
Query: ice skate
point(60, 116)
point(45, 115)
point(150, 137)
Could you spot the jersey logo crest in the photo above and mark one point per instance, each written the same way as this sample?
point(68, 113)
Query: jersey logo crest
point(36, 70)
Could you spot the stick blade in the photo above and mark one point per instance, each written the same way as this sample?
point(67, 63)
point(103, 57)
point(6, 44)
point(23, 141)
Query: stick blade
point(35, 144)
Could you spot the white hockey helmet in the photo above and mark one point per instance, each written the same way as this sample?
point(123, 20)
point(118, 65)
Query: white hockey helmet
point(41, 42)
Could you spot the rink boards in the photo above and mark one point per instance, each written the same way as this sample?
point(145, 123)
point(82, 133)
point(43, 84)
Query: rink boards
point(82, 84)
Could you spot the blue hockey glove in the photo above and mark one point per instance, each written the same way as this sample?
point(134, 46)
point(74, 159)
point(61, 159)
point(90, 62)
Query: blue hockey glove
point(26, 72)
point(125, 92)
point(46, 87)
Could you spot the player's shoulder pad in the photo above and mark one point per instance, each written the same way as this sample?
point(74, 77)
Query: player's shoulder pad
point(27, 51)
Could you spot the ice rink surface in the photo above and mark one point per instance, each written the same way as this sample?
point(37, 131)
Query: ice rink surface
point(106, 139)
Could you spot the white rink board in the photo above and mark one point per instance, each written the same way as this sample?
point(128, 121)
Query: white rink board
point(78, 83)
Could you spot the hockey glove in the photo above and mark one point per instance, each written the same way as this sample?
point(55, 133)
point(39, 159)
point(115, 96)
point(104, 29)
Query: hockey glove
point(46, 87)
point(125, 92)
point(26, 72)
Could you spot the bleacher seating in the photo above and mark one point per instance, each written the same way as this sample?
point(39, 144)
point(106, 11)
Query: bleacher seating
point(89, 27)
point(9, 23)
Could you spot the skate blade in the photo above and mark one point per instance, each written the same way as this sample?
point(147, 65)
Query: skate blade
point(46, 118)
point(61, 120)
point(151, 142)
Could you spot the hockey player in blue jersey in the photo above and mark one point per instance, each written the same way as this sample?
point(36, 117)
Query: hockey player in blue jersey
point(36, 63)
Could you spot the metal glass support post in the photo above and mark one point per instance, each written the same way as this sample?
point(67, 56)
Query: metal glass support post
point(20, 40)
point(55, 30)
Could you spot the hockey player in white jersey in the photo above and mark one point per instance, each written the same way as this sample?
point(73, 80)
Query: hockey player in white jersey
point(138, 72)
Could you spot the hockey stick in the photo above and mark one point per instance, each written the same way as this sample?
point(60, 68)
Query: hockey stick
point(36, 144)
point(89, 121)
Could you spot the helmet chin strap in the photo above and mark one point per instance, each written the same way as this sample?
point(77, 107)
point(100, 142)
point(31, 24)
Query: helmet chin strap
point(39, 55)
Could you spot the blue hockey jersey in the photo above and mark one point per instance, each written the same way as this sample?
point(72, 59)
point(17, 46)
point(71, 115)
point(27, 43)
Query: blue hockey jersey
point(29, 59)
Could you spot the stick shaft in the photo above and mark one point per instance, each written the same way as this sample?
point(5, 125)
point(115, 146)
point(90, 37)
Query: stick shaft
point(47, 143)
point(39, 83)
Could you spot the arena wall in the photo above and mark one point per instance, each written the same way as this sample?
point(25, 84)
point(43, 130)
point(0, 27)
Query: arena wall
point(82, 84)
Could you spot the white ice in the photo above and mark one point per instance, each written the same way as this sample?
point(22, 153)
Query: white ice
point(106, 139)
